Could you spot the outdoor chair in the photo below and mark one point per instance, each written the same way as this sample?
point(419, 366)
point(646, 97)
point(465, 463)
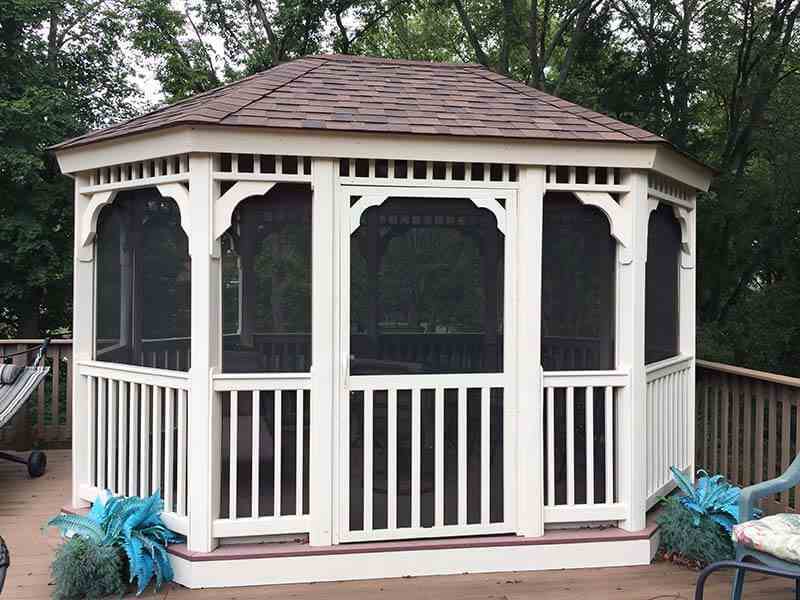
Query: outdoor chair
point(17, 384)
point(770, 545)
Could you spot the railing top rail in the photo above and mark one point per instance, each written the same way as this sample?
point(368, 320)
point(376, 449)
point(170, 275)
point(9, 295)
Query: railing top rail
point(750, 373)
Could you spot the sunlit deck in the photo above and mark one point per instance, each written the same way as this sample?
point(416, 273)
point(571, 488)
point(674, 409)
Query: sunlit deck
point(25, 505)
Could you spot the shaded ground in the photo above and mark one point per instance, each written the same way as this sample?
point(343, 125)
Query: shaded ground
point(25, 505)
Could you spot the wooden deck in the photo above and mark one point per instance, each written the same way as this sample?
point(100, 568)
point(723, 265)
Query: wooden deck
point(25, 505)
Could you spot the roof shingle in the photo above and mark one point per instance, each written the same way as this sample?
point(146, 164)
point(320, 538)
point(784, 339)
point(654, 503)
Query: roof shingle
point(357, 93)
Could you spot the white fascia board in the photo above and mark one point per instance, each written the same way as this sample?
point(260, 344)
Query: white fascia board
point(321, 144)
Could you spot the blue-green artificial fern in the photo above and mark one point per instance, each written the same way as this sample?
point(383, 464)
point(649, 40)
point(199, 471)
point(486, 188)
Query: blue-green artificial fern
point(132, 524)
point(710, 496)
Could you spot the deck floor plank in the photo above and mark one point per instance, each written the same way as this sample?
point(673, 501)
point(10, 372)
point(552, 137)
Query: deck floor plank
point(26, 504)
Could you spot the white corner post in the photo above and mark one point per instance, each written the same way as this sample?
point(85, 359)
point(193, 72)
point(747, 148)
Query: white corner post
point(204, 410)
point(687, 292)
point(632, 430)
point(530, 430)
point(324, 309)
point(82, 344)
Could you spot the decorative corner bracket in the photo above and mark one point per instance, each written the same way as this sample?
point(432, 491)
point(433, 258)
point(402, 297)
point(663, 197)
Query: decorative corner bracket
point(180, 194)
point(227, 203)
point(683, 215)
point(89, 223)
point(619, 222)
point(481, 200)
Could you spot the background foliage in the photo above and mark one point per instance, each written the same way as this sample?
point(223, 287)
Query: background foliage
point(718, 77)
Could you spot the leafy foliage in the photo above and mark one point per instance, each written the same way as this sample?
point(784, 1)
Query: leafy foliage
point(131, 524)
point(84, 568)
point(687, 538)
point(711, 496)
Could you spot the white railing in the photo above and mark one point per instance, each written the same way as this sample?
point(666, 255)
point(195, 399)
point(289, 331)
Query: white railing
point(581, 430)
point(669, 419)
point(426, 456)
point(137, 434)
point(265, 450)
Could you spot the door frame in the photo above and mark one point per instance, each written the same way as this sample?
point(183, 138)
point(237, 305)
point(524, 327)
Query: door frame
point(346, 221)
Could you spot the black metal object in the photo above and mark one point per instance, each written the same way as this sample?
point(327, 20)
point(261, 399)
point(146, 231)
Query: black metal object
point(741, 568)
point(5, 562)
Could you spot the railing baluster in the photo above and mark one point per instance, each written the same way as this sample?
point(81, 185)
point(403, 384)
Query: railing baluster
point(551, 450)
point(102, 426)
point(485, 456)
point(747, 446)
point(277, 480)
point(439, 457)
point(169, 449)
point(91, 414)
point(111, 448)
point(122, 429)
point(145, 449)
point(299, 455)
point(589, 445)
point(133, 438)
point(462, 456)
point(369, 397)
point(760, 391)
point(786, 419)
point(570, 446)
point(391, 467)
point(609, 414)
point(157, 471)
point(233, 455)
point(183, 405)
point(415, 456)
point(255, 490)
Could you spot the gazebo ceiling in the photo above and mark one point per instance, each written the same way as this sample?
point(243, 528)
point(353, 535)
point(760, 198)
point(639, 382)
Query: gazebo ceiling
point(362, 94)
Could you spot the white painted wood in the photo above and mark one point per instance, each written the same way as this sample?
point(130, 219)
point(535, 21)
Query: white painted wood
point(102, 428)
point(122, 433)
point(278, 453)
point(439, 457)
point(111, 438)
point(142, 375)
point(589, 432)
point(585, 513)
point(324, 352)
point(204, 420)
point(630, 296)
point(133, 437)
point(156, 468)
point(183, 402)
point(144, 441)
point(618, 220)
point(233, 456)
point(561, 379)
point(411, 563)
point(462, 456)
point(609, 446)
point(226, 204)
point(180, 194)
point(299, 454)
point(369, 398)
point(570, 445)
point(551, 448)
point(169, 440)
point(485, 456)
point(416, 428)
point(255, 456)
point(254, 383)
point(443, 380)
point(318, 144)
point(249, 526)
point(391, 470)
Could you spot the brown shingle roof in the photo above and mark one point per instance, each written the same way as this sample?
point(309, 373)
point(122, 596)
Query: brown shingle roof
point(357, 93)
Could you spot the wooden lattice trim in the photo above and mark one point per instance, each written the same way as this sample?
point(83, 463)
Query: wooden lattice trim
point(138, 172)
point(669, 190)
point(405, 172)
point(256, 166)
point(575, 178)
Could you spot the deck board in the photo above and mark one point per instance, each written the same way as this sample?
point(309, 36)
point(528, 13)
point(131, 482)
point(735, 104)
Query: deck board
point(25, 505)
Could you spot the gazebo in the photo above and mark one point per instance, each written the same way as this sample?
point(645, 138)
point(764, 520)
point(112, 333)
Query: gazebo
point(357, 317)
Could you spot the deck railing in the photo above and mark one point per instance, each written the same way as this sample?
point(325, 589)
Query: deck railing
point(137, 426)
point(668, 415)
point(581, 428)
point(748, 426)
point(48, 418)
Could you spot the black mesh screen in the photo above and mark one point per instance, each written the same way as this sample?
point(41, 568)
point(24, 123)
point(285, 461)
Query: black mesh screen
point(661, 309)
point(266, 283)
point(578, 257)
point(143, 283)
point(426, 289)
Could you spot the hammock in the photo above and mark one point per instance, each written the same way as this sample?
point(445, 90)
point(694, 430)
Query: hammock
point(17, 384)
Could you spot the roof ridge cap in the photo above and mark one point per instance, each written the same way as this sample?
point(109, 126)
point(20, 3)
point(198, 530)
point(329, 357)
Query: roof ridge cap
point(339, 57)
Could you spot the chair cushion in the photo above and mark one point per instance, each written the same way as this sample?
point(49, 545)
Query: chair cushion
point(9, 373)
point(778, 535)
